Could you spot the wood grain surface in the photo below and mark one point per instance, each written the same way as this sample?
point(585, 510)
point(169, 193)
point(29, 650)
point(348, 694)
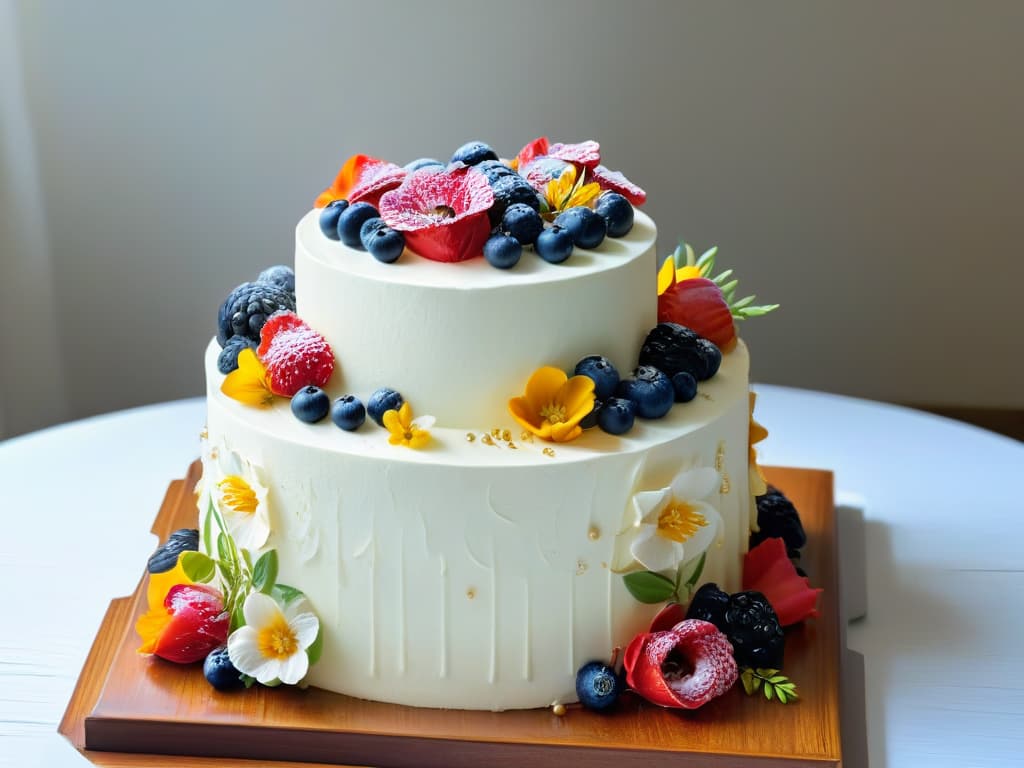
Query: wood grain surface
point(129, 710)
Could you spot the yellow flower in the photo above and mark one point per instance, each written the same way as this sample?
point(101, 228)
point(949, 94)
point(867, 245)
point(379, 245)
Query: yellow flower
point(568, 192)
point(670, 274)
point(554, 404)
point(151, 624)
point(248, 383)
point(758, 482)
point(406, 431)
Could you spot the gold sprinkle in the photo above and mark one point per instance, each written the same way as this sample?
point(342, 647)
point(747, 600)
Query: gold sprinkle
point(487, 439)
point(470, 437)
point(204, 435)
point(512, 445)
point(471, 593)
point(506, 435)
point(496, 432)
point(558, 710)
point(526, 437)
point(581, 567)
point(726, 485)
point(594, 533)
point(549, 452)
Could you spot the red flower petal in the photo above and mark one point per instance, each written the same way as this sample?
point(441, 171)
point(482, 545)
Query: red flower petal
point(362, 178)
point(443, 212)
point(667, 617)
point(768, 570)
point(616, 182)
point(535, 148)
point(586, 153)
point(701, 668)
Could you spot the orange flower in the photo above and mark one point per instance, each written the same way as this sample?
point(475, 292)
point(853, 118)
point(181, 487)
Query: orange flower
point(248, 383)
point(152, 623)
point(554, 404)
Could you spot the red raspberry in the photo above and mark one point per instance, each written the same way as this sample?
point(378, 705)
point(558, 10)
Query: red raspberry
point(294, 354)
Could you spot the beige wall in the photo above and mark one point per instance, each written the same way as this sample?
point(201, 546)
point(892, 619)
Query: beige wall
point(860, 163)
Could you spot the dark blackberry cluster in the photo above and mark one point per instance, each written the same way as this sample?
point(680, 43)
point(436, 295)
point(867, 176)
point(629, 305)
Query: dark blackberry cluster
point(674, 348)
point(747, 619)
point(166, 555)
point(247, 308)
point(778, 518)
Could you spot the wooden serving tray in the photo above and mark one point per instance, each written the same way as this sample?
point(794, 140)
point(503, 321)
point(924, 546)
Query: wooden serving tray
point(129, 710)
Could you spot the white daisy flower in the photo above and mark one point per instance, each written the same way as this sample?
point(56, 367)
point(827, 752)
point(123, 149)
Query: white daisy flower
point(272, 645)
point(235, 488)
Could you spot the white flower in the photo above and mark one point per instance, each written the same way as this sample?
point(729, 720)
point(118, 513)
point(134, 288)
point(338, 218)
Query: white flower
point(670, 526)
point(272, 644)
point(234, 486)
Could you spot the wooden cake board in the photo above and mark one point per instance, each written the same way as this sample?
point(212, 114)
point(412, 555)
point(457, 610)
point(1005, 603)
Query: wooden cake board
point(134, 710)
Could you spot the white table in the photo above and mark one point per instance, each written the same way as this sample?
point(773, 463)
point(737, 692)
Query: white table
point(944, 669)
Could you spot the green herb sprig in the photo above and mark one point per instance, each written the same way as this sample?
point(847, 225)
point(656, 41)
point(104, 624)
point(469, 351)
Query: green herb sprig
point(771, 682)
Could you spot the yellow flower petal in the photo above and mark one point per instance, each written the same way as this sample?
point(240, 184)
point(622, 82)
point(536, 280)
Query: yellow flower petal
point(405, 415)
point(248, 383)
point(543, 387)
point(420, 437)
point(392, 422)
point(151, 624)
point(584, 195)
point(566, 431)
point(577, 394)
point(687, 273)
point(666, 275)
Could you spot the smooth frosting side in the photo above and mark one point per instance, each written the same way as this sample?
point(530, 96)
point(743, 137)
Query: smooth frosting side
point(458, 340)
point(473, 576)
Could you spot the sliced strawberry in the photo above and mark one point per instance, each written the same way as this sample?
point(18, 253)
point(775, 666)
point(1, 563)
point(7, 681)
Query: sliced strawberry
point(535, 148)
point(698, 304)
point(617, 182)
point(294, 355)
point(586, 153)
point(198, 624)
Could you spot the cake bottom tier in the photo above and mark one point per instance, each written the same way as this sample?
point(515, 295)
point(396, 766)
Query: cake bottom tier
point(475, 574)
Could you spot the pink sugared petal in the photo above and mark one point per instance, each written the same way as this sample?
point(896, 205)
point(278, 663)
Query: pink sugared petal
point(374, 178)
point(616, 182)
point(541, 170)
point(586, 153)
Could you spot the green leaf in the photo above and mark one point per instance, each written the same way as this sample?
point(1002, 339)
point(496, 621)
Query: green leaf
point(315, 651)
point(781, 695)
point(198, 567)
point(767, 673)
point(722, 277)
point(777, 679)
point(648, 587)
point(237, 617)
point(693, 570)
point(264, 573)
point(768, 691)
point(224, 548)
point(207, 530)
point(285, 594)
point(741, 303)
point(248, 681)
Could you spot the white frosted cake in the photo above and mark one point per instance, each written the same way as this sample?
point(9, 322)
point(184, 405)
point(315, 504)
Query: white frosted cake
point(476, 559)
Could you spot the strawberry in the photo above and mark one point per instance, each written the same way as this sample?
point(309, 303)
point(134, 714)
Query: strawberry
point(198, 623)
point(698, 304)
point(294, 354)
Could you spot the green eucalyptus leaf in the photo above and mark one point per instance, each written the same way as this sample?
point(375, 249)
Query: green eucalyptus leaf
point(648, 587)
point(264, 573)
point(198, 567)
point(285, 594)
point(316, 650)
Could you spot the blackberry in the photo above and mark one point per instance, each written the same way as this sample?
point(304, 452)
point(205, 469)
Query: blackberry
point(712, 356)
point(280, 275)
point(709, 603)
point(753, 628)
point(166, 555)
point(673, 348)
point(778, 518)
point(247, 308)
point(227, 360)
point(747, 619)
point(508, 190)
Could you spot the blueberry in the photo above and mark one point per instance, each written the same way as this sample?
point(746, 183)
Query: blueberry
point(383, 400)
point(329, 218)
point(603, 373)
point(685, 387)
point(585, 225)
point(590, 420)
point(473, 152)
point(509, 190)
point(494, 170)
point(384, 243)
point(650, 390)
point(597, 685)
point(711, 355)
point(554, 244)
point(423, 162)
point(351, 221)
point(281, 275)
point(502, 251)
point(220, 672)
point(522, 222)
point(616, 415)
point(348, 413)
point(617, 213)
point(227, 360)
point(310, 404)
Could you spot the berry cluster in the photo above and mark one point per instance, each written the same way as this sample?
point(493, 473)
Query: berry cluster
point(673, 359)
point(747, 619)
point(360, 226)
point(312, 404)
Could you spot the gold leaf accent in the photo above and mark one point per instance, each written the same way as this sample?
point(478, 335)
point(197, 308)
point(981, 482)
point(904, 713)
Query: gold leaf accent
point(470, 437)
point(594, 533)
point(549, 452)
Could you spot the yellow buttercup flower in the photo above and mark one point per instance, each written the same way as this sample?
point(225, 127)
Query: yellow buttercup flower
point(248, 383)
point(670, 274)
point(554, 405)
point(758, 482)
point(568, 191)
point(405, 430)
